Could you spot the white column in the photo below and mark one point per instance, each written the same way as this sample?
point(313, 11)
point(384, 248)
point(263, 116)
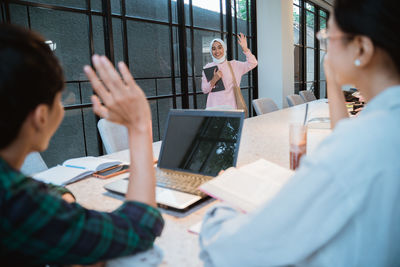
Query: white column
point(275, 50)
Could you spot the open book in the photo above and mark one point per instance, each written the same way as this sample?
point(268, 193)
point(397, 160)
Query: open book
point(209, 72)
point(74, 169)
point(248, 187)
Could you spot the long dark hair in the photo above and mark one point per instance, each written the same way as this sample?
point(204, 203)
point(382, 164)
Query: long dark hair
point(30, 75)
point(377, 19)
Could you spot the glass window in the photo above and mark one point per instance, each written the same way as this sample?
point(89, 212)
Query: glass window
point(149, 57)
point(72, 42)
point(297, 77)
point(310, 7)
point(310, 54)
point(322, 23)
point(116, 6)
point(157, 10)
point(306, 55)
point(296, 24)
point(143, 37)
point(310, 27)
point(241, 16)
point(321, 69)
point(206, 14)
point(65, 3)
point(96, 5)
point(19, 15)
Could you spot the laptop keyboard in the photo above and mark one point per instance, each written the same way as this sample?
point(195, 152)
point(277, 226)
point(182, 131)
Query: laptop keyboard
point(181, 181)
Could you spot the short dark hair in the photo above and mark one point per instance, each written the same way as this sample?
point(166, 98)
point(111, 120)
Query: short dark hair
point(30, 75)
point(378, 20)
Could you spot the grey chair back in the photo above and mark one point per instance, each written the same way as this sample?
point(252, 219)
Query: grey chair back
point(294, 100)
point(113, 135)
point(264, 105)
point(307, 95)
point(33, 163)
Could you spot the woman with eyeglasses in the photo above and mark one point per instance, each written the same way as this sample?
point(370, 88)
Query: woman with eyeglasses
point(341, 207)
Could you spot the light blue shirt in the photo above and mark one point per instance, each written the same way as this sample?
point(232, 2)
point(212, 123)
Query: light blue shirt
point(341, 208)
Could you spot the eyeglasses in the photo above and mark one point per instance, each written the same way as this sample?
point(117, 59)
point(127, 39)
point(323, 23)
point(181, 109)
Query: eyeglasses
point(323, 38)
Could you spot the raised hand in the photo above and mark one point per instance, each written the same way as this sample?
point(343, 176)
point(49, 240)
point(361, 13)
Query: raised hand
point(123, 100)
point(243, 42)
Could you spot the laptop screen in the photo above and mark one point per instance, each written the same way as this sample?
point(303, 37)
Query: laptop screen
point(201, 141)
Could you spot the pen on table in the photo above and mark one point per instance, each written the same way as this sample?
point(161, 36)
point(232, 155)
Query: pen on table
point(73, 166)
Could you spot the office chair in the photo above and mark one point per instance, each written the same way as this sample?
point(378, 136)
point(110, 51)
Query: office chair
point(113, 135)
point(33, 163)
point(294, 100)
point(264, 105)
point(307, 95)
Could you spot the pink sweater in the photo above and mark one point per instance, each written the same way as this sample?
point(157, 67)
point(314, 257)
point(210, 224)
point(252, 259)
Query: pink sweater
point(227, 96)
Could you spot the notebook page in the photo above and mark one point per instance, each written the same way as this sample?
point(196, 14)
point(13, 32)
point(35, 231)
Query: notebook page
point(61, 175)
point(91, 163)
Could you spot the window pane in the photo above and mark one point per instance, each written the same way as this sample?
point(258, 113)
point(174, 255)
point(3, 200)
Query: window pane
point(164, 86)
point(322, 23)
point(241, 16)
point(310, 87)
point(322, 89)
point(96, 5)
point(297, 75)
point(296, 2)
point(70, 95)
point(19, 15)
point(163, 107)
point(296, 24)
point(148, 86)
point(149, 56)
point(321, 69)
point(310, 7)
point(201, 101)
point(310, 64)
point(116, 6)
point(72, 42)
point(98, 35)
point(118, 39)
point(310, 29)
point(157, 10)
point(233, 15)
point(206, 14)
point(68, 139)
point(66, 3)
point(322, 13)
point(297, 87)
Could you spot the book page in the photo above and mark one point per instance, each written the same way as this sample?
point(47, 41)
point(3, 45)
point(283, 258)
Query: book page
point(268, 171)
point(250, 186)
point(61, 175)
point(91, 163)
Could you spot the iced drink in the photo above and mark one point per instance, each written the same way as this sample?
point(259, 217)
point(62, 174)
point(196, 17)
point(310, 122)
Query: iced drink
point(298, 144)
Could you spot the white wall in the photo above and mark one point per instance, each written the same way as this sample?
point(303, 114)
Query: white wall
point(275, 49)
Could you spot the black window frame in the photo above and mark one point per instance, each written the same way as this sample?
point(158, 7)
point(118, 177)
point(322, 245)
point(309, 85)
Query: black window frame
point(303, 83)
point(106, 13)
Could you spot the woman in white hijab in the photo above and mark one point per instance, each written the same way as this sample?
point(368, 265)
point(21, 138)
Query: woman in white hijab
point(230, 72)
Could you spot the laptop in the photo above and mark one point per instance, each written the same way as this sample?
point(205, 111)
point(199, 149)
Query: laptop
point(197, 145)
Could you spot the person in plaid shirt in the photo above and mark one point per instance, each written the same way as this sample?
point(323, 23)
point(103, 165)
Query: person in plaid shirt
point(40, 224)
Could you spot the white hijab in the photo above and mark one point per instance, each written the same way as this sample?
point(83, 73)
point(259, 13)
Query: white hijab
point(222, 59)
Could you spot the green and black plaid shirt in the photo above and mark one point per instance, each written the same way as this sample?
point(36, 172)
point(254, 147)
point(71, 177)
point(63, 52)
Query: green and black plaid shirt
point(38, 227)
